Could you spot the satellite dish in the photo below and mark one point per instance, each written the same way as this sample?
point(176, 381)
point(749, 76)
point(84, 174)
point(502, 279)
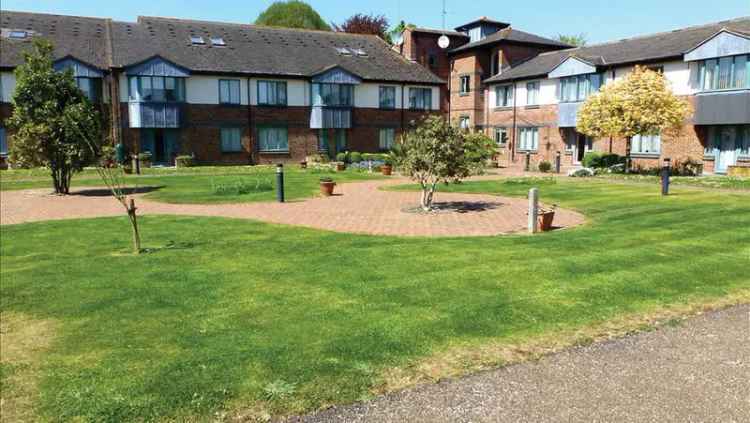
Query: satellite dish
point(398, 39)
point(444, 42)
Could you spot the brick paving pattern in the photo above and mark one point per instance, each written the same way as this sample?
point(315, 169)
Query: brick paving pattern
point(359, 207)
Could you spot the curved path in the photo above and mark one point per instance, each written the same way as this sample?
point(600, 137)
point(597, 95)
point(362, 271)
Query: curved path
point(359, 207)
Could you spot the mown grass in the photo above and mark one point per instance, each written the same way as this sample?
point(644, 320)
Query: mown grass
point(721, 182)
point(246, 318)
point(199, 185)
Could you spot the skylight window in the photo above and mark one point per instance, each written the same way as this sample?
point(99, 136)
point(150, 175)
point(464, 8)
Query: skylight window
point(197, 39)
point(344, 51)
point(360, 52)
point(17, 34)
point(218, 41)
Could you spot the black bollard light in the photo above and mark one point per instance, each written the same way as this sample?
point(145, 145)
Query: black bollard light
point(527, 167)
point(666, 169)
point(557, 162)
point(280, 182)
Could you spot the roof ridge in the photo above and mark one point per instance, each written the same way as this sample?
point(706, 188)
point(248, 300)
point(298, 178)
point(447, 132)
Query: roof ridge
point(54, 14)
point(248, 25)
point(653, 34)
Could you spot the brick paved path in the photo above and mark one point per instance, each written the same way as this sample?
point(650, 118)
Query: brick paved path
point(359, 208)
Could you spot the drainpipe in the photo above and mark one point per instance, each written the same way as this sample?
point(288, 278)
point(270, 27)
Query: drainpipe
point(513, 135)
point(403, 107)
point(251, 145)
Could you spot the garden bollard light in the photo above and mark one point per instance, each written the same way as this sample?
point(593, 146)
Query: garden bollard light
point(280, 182)
point(557, 162)
point(533, 209)
point(528, 162)
point(665, 172)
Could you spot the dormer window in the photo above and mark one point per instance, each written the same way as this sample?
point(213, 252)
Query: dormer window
point(18, 34)
point(197, 40)
point(218, 41)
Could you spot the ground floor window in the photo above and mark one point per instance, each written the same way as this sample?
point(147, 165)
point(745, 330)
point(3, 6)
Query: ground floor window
point(463, 122)
point(646, 144)
point(528, 139)
point(273, 139)
point(231, 140)
point(501, 136)
point(734, 138)
point(387, 136)
point(3, 142)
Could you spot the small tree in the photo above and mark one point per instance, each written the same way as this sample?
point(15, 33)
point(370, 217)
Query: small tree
point(292, 14)
point(365, 24)
point(52, 119)
point(639, 104)
point(577, 40)
point(437, 152)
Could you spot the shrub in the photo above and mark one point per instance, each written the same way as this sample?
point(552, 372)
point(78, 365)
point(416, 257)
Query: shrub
point(610, 159)
point(184, 161)
point(581, 173)
point(545, 166)
point(326, 179)
point(355, 157)
point(342, 157)
point(317, 158)
point(592, 159)
point(602, 160)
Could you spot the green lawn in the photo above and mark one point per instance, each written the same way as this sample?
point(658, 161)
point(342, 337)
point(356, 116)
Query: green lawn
point(246, 318)
point(721, 182)
point(206, 184)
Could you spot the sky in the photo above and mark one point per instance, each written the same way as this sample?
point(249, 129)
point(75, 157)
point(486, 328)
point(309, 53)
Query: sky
point(599, 20)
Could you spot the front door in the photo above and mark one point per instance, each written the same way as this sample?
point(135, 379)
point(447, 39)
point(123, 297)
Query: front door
point(725, 151)
point(580, 147)
point(163, 144)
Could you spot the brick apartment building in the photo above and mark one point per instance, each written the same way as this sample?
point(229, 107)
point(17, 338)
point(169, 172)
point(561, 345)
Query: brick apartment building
point(525, 90)
point(232, 93)
point(228, 93)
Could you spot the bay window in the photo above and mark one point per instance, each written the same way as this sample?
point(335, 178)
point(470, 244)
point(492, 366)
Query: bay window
point(726, 73)
point(579, 87)
point(156, 88)
point(528, 139)
point(334, 95)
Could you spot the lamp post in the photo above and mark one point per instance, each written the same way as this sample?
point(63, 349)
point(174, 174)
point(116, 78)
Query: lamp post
point(557, 162)
point(666, 169)
point(527, 165)
point(280, 182)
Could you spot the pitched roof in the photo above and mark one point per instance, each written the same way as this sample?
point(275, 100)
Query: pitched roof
point(262, 50)
point(482, 20)
point(249, 49)
point(513, 35)
point(654, 47)
point(440, 32)
point(82, 38)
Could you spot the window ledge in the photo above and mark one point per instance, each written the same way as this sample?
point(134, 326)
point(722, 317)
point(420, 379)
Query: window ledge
point(273, 152)
point(723, 91)
point(464, 94)
point(273, 105)
point(645, 155)
point(230, 104)
point(502, 108)
point(532, 106)
point(708, 157)
point(743, 158)
point(528, 151)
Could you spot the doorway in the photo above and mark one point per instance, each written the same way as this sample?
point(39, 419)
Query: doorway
point(163, 144)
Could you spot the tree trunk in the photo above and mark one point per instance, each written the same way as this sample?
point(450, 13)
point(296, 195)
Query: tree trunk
point(427, 194)
point(134, 224)
point(627, 153)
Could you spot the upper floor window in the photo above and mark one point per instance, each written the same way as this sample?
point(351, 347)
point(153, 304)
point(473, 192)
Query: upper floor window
point(341, 95)
point(465, 84)
point(3, 142)
point(532, 93)
point(229, 91)
point(579, 87)
point(387, 97)
point(91, 87)
point(156, 88)
point(272, 93)
point(504, 96)
point(528, 139)
point(646, 144)
point(725, 73)
point(420, 98)
point(495, 63)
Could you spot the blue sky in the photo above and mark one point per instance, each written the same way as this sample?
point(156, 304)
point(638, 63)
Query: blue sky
point(600, 20)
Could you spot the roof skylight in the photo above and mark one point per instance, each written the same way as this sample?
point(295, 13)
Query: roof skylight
point(17, 34)
point(197, 39)
point(344, 51)
point(359, 52)
point(218, 41)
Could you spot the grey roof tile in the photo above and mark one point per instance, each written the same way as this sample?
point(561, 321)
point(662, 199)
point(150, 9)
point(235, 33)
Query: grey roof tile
point(514, 35)
point(654, 47)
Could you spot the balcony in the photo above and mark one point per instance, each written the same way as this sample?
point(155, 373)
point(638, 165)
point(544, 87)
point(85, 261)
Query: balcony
point(323, 117)
point(722, 108)
point(154, 115)
point(567, 114)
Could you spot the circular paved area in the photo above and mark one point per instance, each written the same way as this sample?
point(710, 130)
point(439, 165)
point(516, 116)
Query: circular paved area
point(359, 207)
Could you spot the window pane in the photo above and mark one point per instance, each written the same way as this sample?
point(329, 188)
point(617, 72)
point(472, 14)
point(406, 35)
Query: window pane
point(146, 92)
point(387, 136)
point(273, 139)
point(234, 92)
point(281, 93)
point(725, 67)
point(223, 91)
point(740, 72)
point(3, 142)
point(231, 139)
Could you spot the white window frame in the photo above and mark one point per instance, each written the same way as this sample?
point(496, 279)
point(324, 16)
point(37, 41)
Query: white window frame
point(646, 144)
point(532, 93)
point(504, 92)
point(280, 135)
point(229, 91)
point(528, 139)
point(464, 84)
point(272, 93)
point(501, 133)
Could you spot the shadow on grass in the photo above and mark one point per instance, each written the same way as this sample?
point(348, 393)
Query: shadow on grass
point(104, 192)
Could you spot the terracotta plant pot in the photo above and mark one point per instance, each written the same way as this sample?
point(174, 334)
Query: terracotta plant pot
point(326, 188)
point(340, 167)
point(545, 220)
point(386, 169)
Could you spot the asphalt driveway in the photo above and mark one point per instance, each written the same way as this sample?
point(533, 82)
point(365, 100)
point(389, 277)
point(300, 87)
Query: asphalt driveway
point(697, 371)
